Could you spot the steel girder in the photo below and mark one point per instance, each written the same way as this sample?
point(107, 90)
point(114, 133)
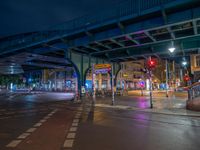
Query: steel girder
point(153, 30)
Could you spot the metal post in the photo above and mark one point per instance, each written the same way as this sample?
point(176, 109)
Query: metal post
point(142, 93)
point(174, 75)
point(166, 63)
point(181, 75)
point(112, 87)
point(150, 92)
point(77, 92)
point(150, 85)
point(93, 84)
point(82, 78)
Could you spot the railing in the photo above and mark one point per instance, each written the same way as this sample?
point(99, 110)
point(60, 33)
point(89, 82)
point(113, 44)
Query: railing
point(126, 8)
point(193, 91)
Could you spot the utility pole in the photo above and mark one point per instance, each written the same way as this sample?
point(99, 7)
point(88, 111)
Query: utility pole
point(166, 63)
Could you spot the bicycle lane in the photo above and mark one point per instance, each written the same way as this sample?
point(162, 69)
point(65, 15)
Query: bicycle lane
point(48, 134)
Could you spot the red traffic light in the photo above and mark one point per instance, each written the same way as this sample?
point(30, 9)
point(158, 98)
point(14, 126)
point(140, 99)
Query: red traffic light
point(151, 63)
point(186, 78)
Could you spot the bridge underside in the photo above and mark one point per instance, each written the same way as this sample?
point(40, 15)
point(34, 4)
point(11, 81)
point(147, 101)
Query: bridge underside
point(135, 31)
point(131, 36)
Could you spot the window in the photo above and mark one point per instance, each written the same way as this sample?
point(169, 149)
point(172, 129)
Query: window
point(198, 61)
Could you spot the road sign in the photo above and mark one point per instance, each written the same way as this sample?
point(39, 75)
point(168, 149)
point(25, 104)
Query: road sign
point(82, 89)
point(102, 66)
point(103, 71)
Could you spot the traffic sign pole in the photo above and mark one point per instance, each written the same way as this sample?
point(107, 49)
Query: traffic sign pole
point(112, 87)
point(150, 93)
point(93, 84)
point(150, 87)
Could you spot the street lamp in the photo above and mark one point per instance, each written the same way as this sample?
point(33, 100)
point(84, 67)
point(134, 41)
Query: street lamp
point(172, 48)
point(184, 63)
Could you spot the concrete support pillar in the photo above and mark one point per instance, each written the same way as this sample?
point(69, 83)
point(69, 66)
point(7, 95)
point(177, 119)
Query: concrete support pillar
point(108, 82)
point(181, 75)
point(45, 75)
point(100, 81)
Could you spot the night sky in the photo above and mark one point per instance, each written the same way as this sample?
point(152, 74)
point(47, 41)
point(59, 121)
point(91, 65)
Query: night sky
point(21, 16)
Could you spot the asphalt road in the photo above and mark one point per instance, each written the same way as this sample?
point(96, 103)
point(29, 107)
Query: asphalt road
point(106, 129)
point(19, 112)
point(99, 128)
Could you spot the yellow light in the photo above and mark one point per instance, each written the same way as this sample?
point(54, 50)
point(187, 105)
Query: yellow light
point(125, 75)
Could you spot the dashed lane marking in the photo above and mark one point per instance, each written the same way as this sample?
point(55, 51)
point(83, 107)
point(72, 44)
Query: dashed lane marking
point(68, 143)
point(9, 113)
point(78, 113)
point(37, 124)
point(77, 117)
point(13, 143)
point(23, 136)
point(43, 120)
point(75, 120)
point(73, 129)
point(71, 135)
point(47, 117)
point(5, 117)
point(75, 124)
point(31, 130)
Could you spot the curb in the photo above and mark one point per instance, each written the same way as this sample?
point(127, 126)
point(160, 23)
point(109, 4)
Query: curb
point(147, 110)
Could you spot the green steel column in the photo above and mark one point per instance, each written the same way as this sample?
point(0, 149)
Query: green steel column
point(66, 53)
point(81, 77)
point(70, 54)
point(89, 64)
point(82, 74)
point(97, 61)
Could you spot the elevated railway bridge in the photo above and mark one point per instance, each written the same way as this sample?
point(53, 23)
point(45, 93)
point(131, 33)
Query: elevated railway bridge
point(135, 29)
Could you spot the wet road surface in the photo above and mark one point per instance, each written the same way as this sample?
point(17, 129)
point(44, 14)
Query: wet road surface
point(98, 128)
point(122, 129)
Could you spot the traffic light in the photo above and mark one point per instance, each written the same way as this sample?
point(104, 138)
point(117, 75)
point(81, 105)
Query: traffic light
point(151, 63)
point(186, 78)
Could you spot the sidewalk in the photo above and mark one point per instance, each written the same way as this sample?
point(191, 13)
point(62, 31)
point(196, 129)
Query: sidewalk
point(163, 105)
